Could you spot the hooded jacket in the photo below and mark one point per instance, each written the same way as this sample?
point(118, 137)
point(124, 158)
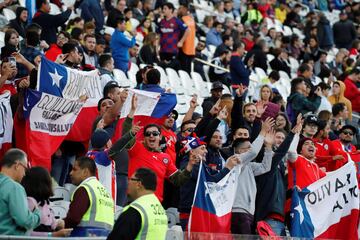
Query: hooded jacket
point(17, 24)
point(301, 104)
point(341, 99)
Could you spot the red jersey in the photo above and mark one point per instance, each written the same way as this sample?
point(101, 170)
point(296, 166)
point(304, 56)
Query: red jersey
point(170, 138)
point(159, 162)
point(53, 52)
point(339, 149)
point(306, 172)
point(323, 156)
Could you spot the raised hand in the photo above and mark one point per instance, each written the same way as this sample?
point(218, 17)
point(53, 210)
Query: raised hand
point(193, 102)
point(267, 125)
point(134, 103)
point(136, 128)
point(298, 127)
point(223, 114)
point(261, 107)
point(216, 108)
point(123, 95)
point(241, 90)
point(269, 138)
point(232, 161)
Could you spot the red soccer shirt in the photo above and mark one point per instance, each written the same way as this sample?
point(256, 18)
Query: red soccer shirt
point(159, 162)
point(170, 138)
point(323, 156)
point(306, 172)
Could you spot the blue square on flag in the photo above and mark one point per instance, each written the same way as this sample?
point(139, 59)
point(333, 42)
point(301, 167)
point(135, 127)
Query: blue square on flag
point(52, 77)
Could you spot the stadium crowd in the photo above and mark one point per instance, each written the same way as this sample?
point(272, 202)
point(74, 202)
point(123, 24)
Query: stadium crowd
point(283, 100)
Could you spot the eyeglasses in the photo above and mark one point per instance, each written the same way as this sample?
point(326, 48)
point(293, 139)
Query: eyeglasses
point(348, 133)
point(189, 130)
point(23, 165)
point(154, 133)
point(135, 179)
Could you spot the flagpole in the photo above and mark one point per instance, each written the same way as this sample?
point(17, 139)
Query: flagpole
point(196, 188)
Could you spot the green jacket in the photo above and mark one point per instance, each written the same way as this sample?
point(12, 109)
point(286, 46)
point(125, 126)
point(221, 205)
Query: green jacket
point(301, 104)
point(15, 216)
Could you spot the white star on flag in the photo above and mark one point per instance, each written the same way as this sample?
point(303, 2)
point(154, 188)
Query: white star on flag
point(299, 209)
point(56, 78)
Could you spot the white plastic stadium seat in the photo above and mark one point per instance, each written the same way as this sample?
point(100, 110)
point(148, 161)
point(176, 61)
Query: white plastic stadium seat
point(54, 9)
point(261, 73)
point(9, 14)
point(59, 212)
point(134, 23)
point(68, 3)
point(70, 187)
point(173, 216)
point(121, 78)
point(175, 82)
point(200, 85)
point(61, 192)
point(187, 82)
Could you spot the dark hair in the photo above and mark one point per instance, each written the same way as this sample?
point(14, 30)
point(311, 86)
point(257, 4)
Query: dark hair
point(8, 34)
point(226, 38)
point(39, 3)
point(152, 125)
point(120, 20)
point(217, 24)
point(169, 5)
point(68, 47)
point(104, 59)
point(32, 38)
point(295, 82)
point(239, 141)
point(186, 123)
point(324, 86)
point(287, 125)
point(337, 108)
point(274, 75)
point(33, 27)
point(66, 34)
point(73, 21)
point(147, 178)
point(109, 88)
point(294, 38)
point(76, 33)
point(127, 10)
point(12, 156)
point(304, 67)
point(37, 184)
point(237, 45)
point(153, 76)
point(89, 36)
point(100, 102)
point(282, 131)
point(86, 162)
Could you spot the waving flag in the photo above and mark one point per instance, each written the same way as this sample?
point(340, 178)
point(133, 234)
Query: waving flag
point(6, 123)
point(153, 107)
point(70, 84)
point(328, 208)
point(48, 120)
point(211, 210)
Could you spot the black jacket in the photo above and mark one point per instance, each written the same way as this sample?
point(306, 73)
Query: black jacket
point(17, 24)
point(50, 23)
point(344, 32)
point(271, 186)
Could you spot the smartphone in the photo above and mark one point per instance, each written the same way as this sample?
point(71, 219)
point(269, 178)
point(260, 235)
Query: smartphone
point(12, 60)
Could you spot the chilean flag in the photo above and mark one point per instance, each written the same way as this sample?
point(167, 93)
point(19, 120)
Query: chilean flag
point(71, 83)
point(6, 123)
point(211, 210)
point(48, 119)
point(328, 208)
point(152, 107)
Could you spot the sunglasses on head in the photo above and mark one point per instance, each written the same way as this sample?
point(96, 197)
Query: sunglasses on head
point(154, 133)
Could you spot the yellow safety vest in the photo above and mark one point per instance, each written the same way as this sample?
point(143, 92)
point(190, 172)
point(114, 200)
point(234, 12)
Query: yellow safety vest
point(101, 211)
point(154, 222)
point(254, 14)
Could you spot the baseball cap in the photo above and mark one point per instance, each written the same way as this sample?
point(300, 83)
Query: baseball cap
point(217, 85)
point(311, 119)
point(99, 138)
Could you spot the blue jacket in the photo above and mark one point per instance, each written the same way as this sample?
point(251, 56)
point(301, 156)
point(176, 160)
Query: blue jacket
point(91, 9)
point(152, 88)
point(213, 38)
point(187, 190)
point(239, 73)
point(120, 45)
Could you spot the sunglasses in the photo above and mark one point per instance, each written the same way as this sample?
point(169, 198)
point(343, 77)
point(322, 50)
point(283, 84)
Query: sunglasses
point(348, 133)
point(23, 165)
point(154, 133)
point(172, 115)
point(135, 179)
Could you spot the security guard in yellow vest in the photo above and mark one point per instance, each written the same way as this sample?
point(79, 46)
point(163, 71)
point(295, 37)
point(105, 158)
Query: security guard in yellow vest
point(144, 218)
point(252, 14)
point(91, 211)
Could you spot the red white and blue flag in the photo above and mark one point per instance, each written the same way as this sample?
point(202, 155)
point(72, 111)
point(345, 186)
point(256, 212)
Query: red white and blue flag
point(48, 120)
point(70, 84)
point(152, 107)
point(6, 123)
point(328, 208)
point(211, 210)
